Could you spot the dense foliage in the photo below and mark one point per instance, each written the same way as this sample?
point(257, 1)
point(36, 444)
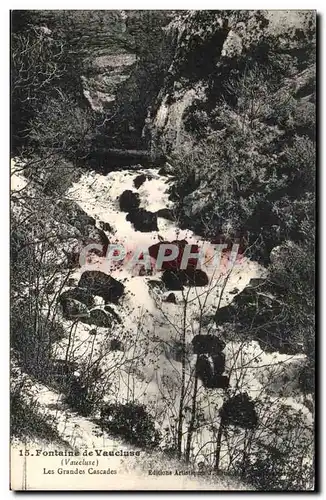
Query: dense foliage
point(242, 158)
point(132, 422)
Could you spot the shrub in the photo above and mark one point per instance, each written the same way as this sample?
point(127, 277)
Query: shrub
point(132, 422)
point(63, 126)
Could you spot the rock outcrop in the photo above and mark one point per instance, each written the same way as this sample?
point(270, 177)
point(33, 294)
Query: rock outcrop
point(98, 283)
point(108, 74)
point(143, 220)
point(207, 45)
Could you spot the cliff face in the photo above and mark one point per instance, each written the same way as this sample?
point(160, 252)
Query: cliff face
point(108, 73)
point(211, 48)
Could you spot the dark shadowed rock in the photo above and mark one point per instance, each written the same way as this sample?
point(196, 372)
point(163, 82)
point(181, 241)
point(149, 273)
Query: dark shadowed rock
point(174, 280)
point(258, 311)
point(209, 370)
point(143, 220)
point(219, 363)
point(106, 227)
point(174, 264)
point(102, 284)
point(98, 317)
point(72, 309)
point(81, 294)
point(156, 285)
point(154, 249)
point(196, 277)
point(94, 235)
point(166, 169)
point(116, 345)
point(204, 370)
point(113, 314)
point(129, 201)
point(139, 180)
point(75, 215)
point(170, 298)
point(165, 213)
point(207, 344)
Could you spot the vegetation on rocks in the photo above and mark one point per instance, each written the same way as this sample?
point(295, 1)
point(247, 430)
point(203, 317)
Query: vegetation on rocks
point(228, 97)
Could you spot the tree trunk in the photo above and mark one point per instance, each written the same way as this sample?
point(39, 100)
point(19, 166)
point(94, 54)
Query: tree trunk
point(192, 421)
point(183, 381)
point(218, 445)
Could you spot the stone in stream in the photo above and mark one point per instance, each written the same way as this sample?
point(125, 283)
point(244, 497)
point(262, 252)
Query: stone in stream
point(139, 180)
point(116, 345)
point(156, 285)
point(143, 220)
point(174, 280)
point(75, 215)
point(204, 370)
point(102, 284)
point(98, 317)
point(106, 226)
point(219, 363)
point(165, 213)
point(170, 298)
point(72, 309)
point(209, 370)
point(175, 263)
point(207, 344)
point(81, 294)
point(112, 312)
point(94, 235)
point(196, 277)
point(129, 201)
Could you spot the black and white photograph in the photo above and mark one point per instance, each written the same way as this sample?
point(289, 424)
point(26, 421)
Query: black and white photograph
point(162, 250)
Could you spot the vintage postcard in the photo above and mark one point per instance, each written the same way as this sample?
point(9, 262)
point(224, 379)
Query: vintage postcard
point(162, 250)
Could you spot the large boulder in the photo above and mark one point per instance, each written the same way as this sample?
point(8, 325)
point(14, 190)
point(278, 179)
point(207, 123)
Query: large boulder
point(170, 298)
point(174, 279)
point(175, 263)
point(219, 363)
point(139, 180)
point(116, 345)
point(165, 213)
point(209, 370)
point(98, 317)
point(81, 294)
point(102, 284)
point(207, 344)
point(204, 370)
point(143, 220)
point(196, 277)
point(113, 314)
point(106, 226)
point(97, 236)
point(75, 310)
point(75, 215)
point(264, 315)
point(156, 285)
point(129, 201)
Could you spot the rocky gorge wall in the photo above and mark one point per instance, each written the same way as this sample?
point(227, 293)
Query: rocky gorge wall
point(208, 47)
